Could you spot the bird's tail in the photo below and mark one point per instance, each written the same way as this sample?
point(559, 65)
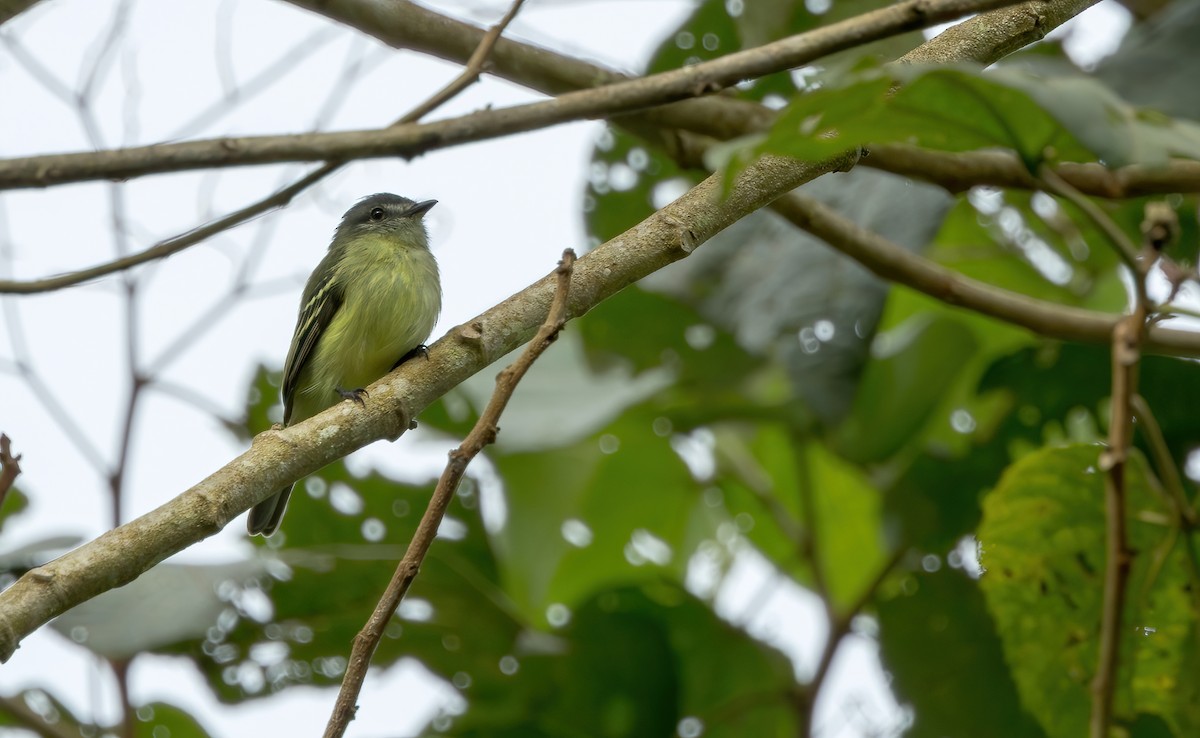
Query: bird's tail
point(265, 516)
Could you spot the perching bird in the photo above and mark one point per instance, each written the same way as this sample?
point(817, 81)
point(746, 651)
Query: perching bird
point(368, 306)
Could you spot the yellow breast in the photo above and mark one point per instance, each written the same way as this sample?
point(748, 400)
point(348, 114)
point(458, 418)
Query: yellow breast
point(390, 303)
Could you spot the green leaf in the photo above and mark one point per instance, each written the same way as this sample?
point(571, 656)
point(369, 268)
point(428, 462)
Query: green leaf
point(943, 108)
point(640, 661)
point(1115, 131)
point(169, 605)
point(561, 400)
point(1069, 118)
point(619, 506)
point(941, 648)
point(159, 719)
point(15, 502)
point(1055, 387)
point(1010, 245)
point(764, 472)
point(1042, 542)
point(902, 385)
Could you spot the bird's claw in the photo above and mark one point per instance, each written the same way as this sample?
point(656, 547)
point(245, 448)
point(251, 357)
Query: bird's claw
point(419, 350)
point(358, 395)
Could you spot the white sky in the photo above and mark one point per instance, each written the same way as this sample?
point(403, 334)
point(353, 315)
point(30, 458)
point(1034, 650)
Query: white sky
point(507, 209)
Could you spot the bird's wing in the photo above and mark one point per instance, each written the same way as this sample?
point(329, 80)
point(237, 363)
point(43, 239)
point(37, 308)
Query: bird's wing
point(322, 299)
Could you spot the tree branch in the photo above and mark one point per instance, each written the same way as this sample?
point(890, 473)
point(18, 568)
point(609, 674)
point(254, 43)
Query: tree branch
point(10, 9)
point(959, 172)
point(989, 37)
point(1168, 470)
point(19, 711)
point(896, 264)
point(1127, 340)
point(412, 140)
point(483, 434)
point(279, 457)
point(839, 628)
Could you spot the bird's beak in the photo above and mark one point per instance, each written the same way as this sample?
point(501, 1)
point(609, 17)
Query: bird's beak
point(420, 208)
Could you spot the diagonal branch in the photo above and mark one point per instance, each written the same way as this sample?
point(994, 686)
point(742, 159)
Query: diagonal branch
point(483, 434)
point(279, 457)
point(10, 9)
point(995, 35)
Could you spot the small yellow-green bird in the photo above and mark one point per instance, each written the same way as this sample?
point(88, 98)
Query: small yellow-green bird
point(368, 306)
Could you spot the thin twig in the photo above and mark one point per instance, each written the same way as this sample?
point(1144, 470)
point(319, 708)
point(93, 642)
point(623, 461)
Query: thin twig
point(1124, 247)
point(480, 436)
point(18, 709)
point(280, 198)
point(1128, 336)
point(10, 466)
point(839, 628)
point(1168, 470)
point(1118, 557)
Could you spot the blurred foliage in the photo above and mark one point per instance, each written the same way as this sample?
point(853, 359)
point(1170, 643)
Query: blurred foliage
point(768, 401)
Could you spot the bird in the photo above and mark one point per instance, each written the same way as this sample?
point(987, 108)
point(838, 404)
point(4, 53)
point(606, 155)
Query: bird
point(367, 307)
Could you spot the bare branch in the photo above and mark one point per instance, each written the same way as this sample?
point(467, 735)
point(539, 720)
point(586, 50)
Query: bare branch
point(1127, 340)
point(10, 9)
point(19, 710)
point(1120, 242)
point(1168, 470)
point(896, 264)
point(839, 628)
point(483, 434)
point(412, 140)
point(171, 245)
point(280, 198)
point(958, 172)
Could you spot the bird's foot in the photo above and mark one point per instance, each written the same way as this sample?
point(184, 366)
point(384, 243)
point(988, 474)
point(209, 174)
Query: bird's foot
point(420, 350)
point(358, 395)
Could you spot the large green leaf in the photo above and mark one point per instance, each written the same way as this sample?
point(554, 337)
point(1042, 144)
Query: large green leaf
point(764, 473)
point(956, 109)
point(648, 660)
point(902, 385)
point(163, 720)
point(619, 506)
point(940, 646)
point(1043, 548)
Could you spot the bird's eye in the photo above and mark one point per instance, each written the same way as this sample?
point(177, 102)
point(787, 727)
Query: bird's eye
point(376, 213)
